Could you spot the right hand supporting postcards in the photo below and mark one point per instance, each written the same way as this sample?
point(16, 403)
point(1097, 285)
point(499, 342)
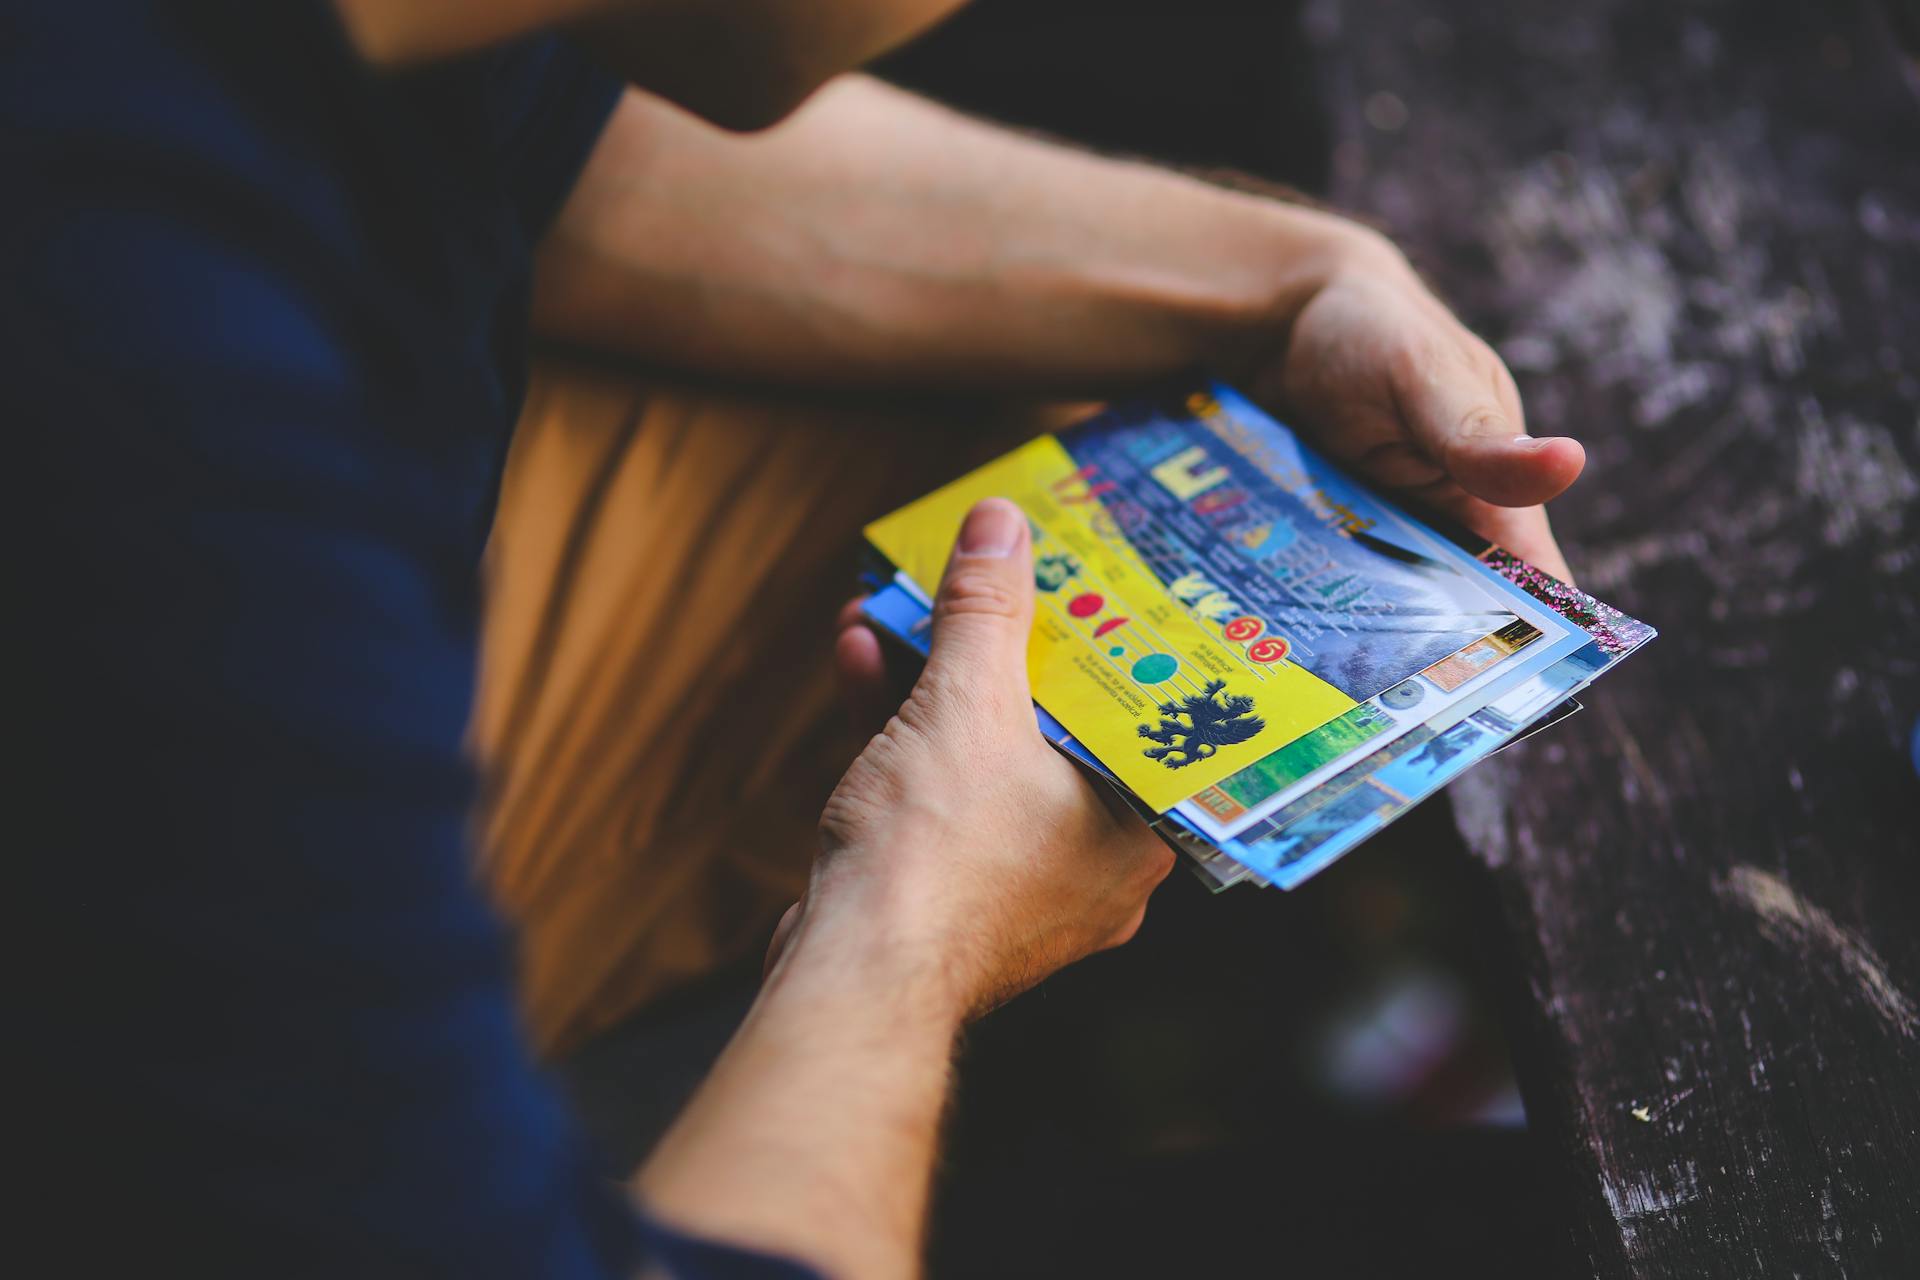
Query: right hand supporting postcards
point(961, 840)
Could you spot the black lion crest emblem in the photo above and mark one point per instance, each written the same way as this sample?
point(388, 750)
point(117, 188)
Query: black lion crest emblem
point(1212, 722)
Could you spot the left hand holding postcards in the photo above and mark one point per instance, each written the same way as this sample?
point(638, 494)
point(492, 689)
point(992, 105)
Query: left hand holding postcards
point(1384, 379)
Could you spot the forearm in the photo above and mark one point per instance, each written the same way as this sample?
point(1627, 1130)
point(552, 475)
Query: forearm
point(876, 239)
point(814, 1136)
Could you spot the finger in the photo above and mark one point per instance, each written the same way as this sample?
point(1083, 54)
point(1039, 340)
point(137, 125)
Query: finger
point(1526, 533)
point(852, 614)
point(860, 677)
point(1157, 863)
point(1469, 422)
point(781, 932)
point(983, 611)
point(1125, 933)
point(1521, 530)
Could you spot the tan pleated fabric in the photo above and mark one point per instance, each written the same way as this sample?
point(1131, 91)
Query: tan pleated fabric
point(656, 719)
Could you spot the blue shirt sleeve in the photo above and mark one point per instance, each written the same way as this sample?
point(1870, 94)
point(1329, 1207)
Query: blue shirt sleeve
point(688, 1258)
point(261, 323)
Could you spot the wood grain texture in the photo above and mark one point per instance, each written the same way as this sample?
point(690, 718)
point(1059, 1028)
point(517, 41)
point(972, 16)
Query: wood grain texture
point(1693, 230)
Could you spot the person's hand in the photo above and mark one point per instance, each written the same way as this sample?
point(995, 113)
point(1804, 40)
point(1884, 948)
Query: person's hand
point(961, 847)
point(1383, 378)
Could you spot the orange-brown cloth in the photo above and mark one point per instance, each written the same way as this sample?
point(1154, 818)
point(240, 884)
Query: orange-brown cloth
point(656, 720)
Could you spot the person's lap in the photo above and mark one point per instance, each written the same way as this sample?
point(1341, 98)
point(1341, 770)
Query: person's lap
point(656, 718)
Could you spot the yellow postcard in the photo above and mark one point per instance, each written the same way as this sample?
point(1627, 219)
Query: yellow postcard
point(1167, 693)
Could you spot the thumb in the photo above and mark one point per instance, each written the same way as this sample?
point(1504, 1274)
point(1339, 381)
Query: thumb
point(1476, 432)
point(984, 609)
point(1508, 468)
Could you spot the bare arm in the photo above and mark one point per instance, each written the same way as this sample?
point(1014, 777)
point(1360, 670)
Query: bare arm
point(875, 238)
point(815, 1136)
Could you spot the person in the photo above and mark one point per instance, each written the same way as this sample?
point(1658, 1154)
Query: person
point(270, 276)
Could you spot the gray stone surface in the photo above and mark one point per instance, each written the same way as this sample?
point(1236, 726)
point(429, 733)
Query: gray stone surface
point(1693, 229)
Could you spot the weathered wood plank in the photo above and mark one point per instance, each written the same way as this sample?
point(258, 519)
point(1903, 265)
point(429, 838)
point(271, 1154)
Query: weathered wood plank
point(1693, 228)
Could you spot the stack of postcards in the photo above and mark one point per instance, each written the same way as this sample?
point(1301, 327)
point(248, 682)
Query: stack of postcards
point(1270, 660)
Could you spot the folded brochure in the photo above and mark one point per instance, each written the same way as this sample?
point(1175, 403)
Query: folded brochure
point(1270, 659)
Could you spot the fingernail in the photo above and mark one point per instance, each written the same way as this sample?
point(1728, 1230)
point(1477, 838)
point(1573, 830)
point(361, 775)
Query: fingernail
point(992, 529)
point(1529, 442)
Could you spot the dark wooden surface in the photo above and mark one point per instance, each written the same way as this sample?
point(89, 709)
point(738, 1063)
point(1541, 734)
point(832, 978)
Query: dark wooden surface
point(1693, 229)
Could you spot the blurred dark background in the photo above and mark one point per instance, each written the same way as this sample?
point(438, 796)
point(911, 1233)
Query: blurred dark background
point(1204, 83)
point(1677, 221)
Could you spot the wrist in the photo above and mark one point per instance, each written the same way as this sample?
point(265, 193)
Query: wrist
point(1273, 258)
point(872, 948)
point(1293, 256)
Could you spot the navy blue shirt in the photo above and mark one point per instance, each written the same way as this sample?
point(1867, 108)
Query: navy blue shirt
point(262, 338)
